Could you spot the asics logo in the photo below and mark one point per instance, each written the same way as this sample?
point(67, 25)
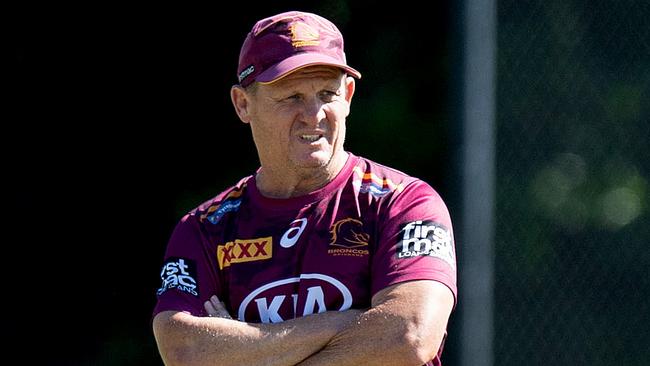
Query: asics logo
point(292, 235)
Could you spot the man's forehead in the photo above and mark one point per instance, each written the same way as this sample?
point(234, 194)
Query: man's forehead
point(310, 74)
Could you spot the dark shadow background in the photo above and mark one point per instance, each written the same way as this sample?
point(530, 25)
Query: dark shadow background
point(121, 122)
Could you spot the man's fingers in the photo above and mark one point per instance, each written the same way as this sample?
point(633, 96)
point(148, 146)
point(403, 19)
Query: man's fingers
point(216, 308)
point(210, 308)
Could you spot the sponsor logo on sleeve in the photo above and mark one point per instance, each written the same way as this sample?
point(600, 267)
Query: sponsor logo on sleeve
point(426, 238)
point(348, 238)
point(244, 250)
point(179, 273)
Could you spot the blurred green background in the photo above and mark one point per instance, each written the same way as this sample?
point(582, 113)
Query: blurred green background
point(120, 121)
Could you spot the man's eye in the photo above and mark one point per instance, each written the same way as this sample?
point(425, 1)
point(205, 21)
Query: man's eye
point(327, 95)
point(294, 97)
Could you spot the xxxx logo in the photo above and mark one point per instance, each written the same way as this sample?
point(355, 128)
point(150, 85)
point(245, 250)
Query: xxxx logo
point(244, 250)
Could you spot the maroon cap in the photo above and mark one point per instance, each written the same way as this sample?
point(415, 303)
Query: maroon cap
point(283, 43)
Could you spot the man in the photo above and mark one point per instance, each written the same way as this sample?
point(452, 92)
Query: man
point(321, 257)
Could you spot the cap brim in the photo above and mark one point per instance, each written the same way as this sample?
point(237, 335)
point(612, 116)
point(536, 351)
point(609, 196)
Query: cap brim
point(297, 62)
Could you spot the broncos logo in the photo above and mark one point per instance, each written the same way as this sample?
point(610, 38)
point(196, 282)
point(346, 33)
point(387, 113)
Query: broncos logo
point(348, 233)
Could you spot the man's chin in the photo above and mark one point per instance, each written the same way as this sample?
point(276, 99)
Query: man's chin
point(315, 160)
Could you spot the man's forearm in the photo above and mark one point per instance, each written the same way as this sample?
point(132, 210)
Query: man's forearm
point(377, 339)
point(184, 339)
point(405, 326)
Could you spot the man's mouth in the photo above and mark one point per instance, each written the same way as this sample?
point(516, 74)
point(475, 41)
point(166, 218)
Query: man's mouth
point(311, 138)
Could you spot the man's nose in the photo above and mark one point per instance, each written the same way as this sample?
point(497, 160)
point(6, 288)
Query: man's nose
point(313, 111)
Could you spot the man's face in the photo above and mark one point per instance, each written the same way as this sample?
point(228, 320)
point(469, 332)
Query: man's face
point(298, 122)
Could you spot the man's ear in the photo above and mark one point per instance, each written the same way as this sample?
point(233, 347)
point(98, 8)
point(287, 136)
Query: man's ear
point(349, 88)
point(349, 92)
point(240, 100)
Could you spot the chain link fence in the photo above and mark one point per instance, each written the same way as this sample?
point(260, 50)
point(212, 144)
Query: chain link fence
point(572, 260)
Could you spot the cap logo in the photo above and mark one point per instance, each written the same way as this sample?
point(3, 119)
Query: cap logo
point(247, 71)
point(303, 34)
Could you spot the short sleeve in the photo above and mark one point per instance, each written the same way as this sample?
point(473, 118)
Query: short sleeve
point(416, 240)
point(187, 275)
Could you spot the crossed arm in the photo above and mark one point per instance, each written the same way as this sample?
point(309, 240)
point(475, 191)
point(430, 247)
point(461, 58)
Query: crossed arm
point(404, 326)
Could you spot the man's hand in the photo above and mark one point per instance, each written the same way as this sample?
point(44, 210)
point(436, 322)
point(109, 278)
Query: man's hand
point(216, 308)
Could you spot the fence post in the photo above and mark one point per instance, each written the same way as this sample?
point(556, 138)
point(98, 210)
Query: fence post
point(478, 176)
